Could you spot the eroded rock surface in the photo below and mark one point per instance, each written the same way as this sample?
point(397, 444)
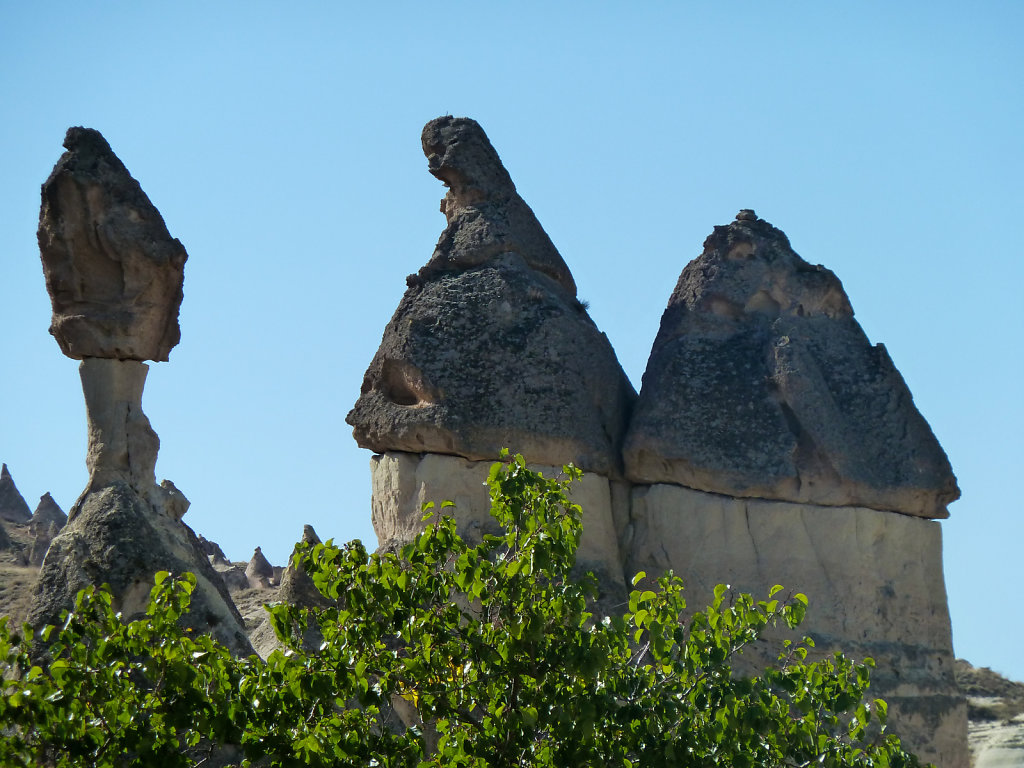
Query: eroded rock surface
point(761, 384)
point(12, 504)
point(874, 580)
point(115, 280)
point(48, 513)
point(259, 572)
point(296, 585)
point(116, 538)
point(403, 483)
point(486, 216)
point(113, 271)
point(489, 347)
point(212, 550)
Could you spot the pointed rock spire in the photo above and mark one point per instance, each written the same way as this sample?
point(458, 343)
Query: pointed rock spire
point(48, 512)
point(259, 572)
point(12, 504)
point(296, 585)
point(489, 347)
point(761, 384)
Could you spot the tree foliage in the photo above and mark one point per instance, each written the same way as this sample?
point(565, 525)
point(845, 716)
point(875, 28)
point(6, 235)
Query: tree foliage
point(444, 654)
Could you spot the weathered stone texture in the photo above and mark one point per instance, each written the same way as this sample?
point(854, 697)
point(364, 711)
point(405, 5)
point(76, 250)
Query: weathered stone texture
point(402, 483)
point(761, 384)
point(486, 216)
point(259, 573)
point(114, 537)
point(12, 504)
point(48, 512)
point(212, 550)
point(115, 280)
point(113, 271)
point(489, 348)
point(297, 587)
point(874, 580)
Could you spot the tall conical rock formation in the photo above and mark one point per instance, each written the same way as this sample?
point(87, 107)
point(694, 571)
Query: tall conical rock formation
point(773, 444)
point(12, 504)
point(296, 585)
point(489, 349)
point(761, 384)
point(115, 280)
point(48, 512)
point(259, 572)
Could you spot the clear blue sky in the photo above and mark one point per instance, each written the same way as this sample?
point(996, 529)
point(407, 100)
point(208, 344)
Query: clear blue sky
point(281, 143)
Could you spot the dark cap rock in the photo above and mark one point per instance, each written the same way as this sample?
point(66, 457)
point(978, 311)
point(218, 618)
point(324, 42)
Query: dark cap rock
point(486, 216)
point(113, 271)
point(761, 384)
point(489, 348)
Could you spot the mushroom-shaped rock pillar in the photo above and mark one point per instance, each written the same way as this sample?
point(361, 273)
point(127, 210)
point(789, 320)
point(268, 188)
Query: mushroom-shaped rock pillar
point(489, 349)
point(773, 444)
point(115, 275)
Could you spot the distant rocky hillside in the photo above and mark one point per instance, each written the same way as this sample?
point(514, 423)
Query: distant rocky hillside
point(995, 707)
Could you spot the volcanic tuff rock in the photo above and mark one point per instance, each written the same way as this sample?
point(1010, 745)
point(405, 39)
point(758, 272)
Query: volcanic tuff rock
point(46, 523)
point(113, 271)
point(296, 585)
point(12, 504)
point(403, 483)
point(115, 280)
point(212, 550)
point(48, 512)
point(259, 572)
point(874, 580)
point(761, 384)
point(116, 538)
point(489, 347)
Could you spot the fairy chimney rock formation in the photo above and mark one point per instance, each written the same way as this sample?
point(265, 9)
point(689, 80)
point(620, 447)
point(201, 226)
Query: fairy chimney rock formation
point(115, 277)
point(13, 508)
point(48, 512)
point(773, 444)
point(761, 384)
point(259, 572)
point(489, 347)
point(296, 585)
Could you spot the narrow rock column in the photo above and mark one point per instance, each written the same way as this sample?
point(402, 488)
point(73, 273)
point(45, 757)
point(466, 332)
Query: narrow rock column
point(115, 276)
point(122, 444)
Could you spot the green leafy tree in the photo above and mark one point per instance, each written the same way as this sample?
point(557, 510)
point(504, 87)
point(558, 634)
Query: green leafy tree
point(444, 655)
